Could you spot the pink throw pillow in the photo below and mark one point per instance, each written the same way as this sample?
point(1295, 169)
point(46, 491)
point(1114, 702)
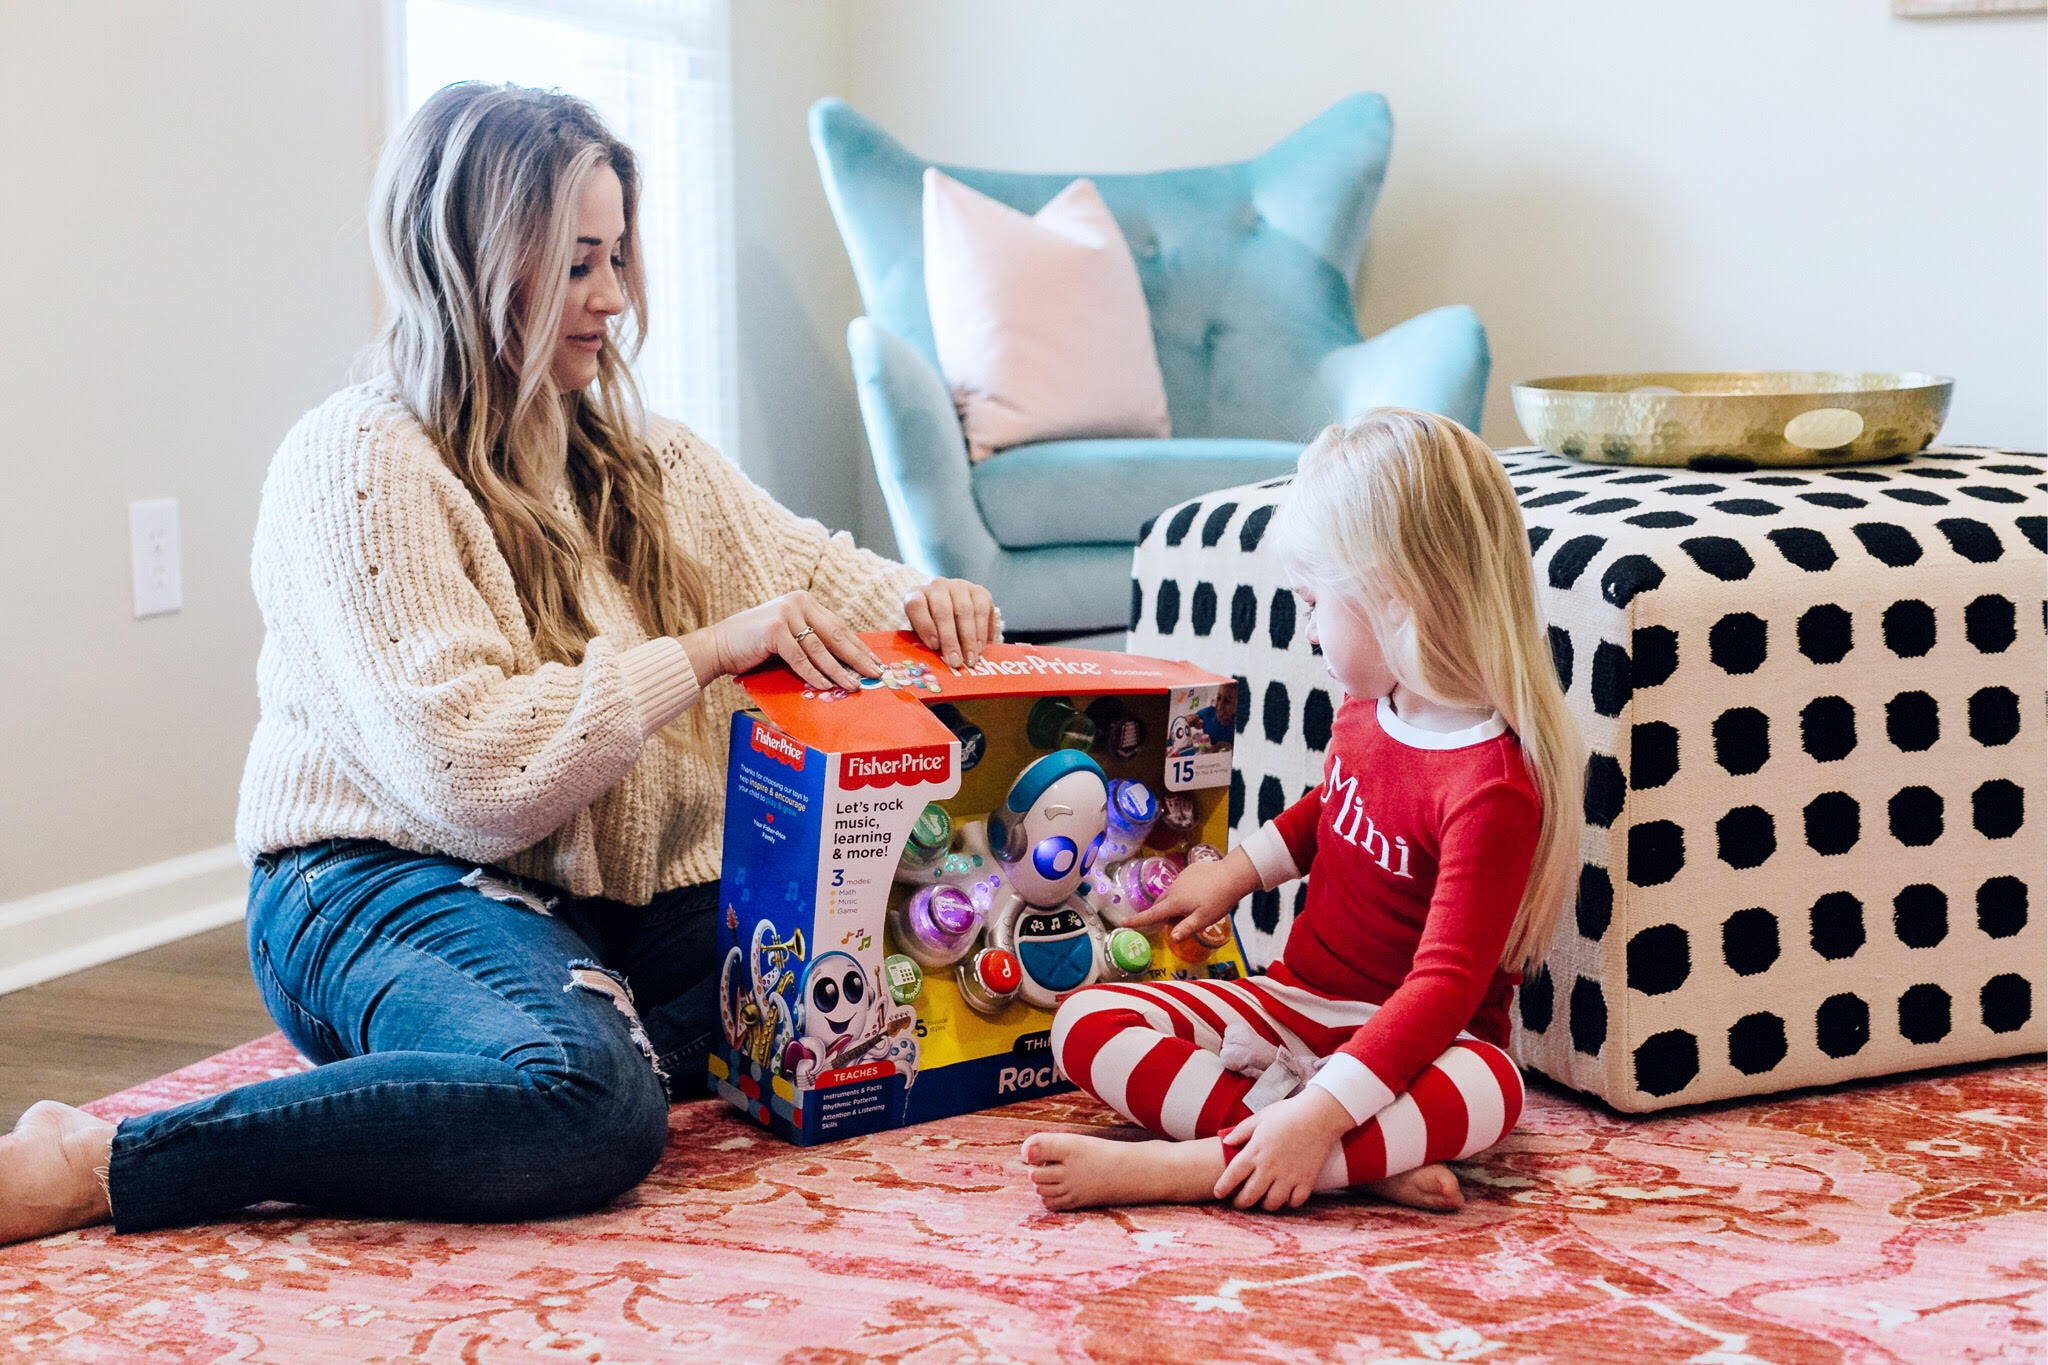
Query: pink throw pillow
point(1040, 322)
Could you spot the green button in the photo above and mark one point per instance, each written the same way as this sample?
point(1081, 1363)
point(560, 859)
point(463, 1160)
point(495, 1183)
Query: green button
point(905, 978)
point(1130, 950)
point(931, 835)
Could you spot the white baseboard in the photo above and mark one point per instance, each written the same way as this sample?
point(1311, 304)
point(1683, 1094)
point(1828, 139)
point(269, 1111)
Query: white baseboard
point(55, 933)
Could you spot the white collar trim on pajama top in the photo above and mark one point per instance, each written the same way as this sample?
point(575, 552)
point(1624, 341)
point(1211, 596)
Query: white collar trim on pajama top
point(1416, 738)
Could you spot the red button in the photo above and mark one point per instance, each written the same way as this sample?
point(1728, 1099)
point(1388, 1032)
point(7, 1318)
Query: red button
point(999, 971)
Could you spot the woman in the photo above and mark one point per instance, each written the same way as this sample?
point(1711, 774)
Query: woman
point(482, 805)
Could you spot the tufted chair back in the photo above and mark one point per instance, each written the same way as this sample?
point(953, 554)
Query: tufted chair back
point(1248, 267)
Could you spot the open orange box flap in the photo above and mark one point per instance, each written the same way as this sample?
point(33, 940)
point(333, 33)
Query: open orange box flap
point(874, 718)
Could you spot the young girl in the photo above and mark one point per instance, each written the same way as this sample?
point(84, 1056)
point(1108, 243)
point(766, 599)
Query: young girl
point(1442, 839)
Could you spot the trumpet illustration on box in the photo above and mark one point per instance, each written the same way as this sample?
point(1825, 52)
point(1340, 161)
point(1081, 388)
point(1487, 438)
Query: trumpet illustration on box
point(754, 986)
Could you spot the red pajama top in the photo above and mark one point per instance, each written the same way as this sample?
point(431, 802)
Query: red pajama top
point(1421, 845)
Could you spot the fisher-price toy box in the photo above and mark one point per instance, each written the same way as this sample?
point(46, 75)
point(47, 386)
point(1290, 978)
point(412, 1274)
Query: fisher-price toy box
point(917, 872)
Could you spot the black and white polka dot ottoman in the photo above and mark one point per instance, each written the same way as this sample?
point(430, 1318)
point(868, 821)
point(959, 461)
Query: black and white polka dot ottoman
point(1814, 810)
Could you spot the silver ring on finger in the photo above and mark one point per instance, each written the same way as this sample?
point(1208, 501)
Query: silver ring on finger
point(798, 638)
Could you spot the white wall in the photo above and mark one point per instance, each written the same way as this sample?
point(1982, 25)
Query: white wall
point(800, 433)
point(187, 269)
point(1613, 185)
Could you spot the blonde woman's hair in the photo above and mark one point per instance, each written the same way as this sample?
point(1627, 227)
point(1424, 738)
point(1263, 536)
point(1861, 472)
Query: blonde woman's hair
point(473, 227)
point(1409, 513)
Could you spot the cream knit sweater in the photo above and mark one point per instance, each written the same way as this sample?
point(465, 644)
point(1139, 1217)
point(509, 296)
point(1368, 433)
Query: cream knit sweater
point(401, 696)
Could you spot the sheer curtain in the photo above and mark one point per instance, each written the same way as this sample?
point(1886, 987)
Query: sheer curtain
point(658, 73)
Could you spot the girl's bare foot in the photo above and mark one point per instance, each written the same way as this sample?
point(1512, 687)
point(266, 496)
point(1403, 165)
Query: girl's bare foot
point(1426, 1187)
point(1074, 1171)
point(50, 1169)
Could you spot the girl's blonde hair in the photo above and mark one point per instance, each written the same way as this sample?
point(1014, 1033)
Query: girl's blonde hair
point(473, 227)
point(1408, 512)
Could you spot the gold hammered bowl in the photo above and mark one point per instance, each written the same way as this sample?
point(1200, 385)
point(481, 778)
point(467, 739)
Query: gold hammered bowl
point(1736, 419)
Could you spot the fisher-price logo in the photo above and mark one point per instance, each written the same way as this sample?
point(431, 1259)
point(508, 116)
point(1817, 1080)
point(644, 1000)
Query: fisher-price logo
point(778, 746)
point(904, 768)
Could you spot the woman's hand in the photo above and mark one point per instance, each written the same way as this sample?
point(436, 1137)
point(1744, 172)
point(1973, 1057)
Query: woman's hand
point(796, 628)
point(955, 619)
point(1202, 894)
point(1282, 1149)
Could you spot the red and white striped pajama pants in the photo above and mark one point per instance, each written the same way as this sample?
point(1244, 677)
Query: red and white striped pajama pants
point(1149, 1051)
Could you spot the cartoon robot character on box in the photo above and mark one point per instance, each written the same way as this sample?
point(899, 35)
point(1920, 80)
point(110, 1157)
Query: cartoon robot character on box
point(756, 1013)
point(847, 1019)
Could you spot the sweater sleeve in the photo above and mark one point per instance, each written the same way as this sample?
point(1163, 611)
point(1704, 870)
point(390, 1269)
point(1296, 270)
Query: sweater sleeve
point(1488, 844)
point(744, 527)
point(1297, 827)
point(362, 570)
point(661, 681)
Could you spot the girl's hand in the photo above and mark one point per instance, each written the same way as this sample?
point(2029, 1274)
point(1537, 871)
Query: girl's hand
point(1202, 894)
point(955, 619)
point(796, 628)
point(1282, 1149)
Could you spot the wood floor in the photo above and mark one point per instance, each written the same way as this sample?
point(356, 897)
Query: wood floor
point(100, 1030)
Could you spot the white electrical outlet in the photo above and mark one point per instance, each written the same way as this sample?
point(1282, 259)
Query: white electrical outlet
point(153, 546)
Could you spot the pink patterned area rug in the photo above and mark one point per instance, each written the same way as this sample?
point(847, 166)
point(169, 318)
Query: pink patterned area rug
point(1886, 1222)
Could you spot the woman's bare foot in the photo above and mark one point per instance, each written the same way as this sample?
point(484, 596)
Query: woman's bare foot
point(50, 1169)
point(1426, 1187)
point(1074, 1171)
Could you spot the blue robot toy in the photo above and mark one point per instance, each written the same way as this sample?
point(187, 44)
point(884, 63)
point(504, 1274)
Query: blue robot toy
point(1044, 839)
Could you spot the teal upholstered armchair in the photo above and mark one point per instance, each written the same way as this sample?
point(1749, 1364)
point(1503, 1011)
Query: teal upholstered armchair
point(1248, 270)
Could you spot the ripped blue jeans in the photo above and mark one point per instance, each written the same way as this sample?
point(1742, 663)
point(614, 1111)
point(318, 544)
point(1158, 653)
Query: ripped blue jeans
point(478, 1058)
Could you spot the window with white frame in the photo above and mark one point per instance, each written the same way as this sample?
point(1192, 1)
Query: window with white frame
point(657, 72)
